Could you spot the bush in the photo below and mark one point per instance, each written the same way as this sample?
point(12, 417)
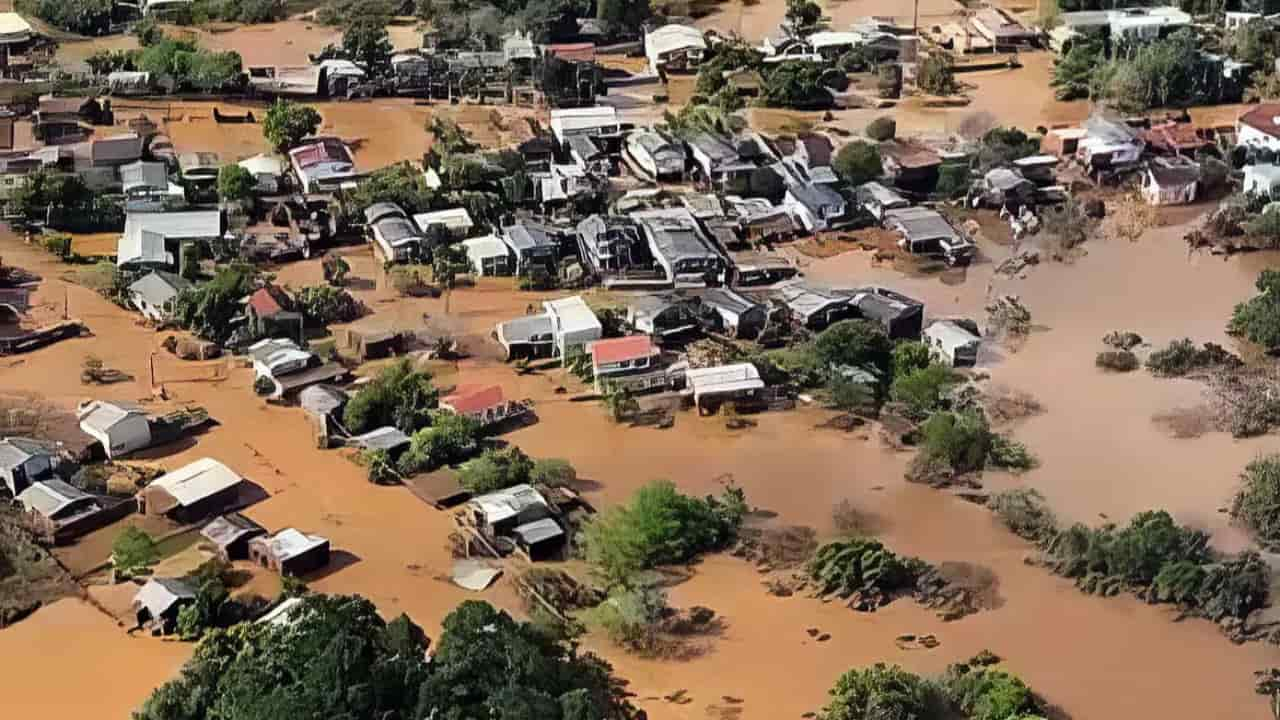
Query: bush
point(922, 391)
point(882, 128)
point(659, 526)
point(936, 75)
point(133, 551)
point(855, 344)
point(630, 617)
point(1181, 357)
point(1258, 319)
point(954, 180)
point(400, 396)
point(324, 305)
point(858, 163)
point(864, 568)
point(1117, 360)
point(552, 472)
point(450, 439)
point(851, 395)
point(1009, 454)
point(987, 694)
point(1257, 504)
point(910, 355)
point(1025, 513)
point(287, 123)
point(235, 183)
point(882, 691)
point(961, 440)
point(211, 309)
point(495, 470)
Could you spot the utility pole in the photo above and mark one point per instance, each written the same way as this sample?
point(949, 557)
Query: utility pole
point(915, 22)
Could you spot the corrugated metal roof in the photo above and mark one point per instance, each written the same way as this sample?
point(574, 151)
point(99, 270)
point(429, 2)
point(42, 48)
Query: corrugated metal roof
point(49, 497)
point(724, 378)
point(466, 399)
point(632, 347)
point(101, 415)
point(290, 543)
point(196, 481)
point(15, 451)
point(509, 503)
point(573, 314)
point(383, 438)
point(226, 529)
point(532, 533)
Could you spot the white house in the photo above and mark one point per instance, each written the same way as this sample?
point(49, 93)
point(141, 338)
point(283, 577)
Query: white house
point(396, 237)
point(1259, 128)
point(655, 154)
point(488, 255)
point(590, 121)
point(153, 294)
point(674, 47)
point(953, 342)
point(573, 323)
point(455, 220)
point(22, 462)
point(121, 427)
point(147, 233)
point(275, 357)
point(723, 382)
point(1170, 181)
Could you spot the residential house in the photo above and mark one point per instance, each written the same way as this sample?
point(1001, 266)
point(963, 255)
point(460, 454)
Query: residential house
point(661, 315)
point(269, 312)
point(24, 461)
point(486, 404)
point(199, 171)
point(901, 317)
point(17, 42)
point(599, 121)
point(730, 313)
point(538, 151)
point(268, 170)
point(722, 162)
point(614, 244)
point(1259, 127)
point(812, 155)
point(154, 294)
point(533, 244)
point(396, 237)
point(626, 362)
point(876, 200)
point(146, 187)
point(674, 48)
point(1133, 23)
point(194, 491)
point(323, 164)
point(955, 343)
point(1063, 141)
point(121, 427)
point(152, 238)
point(679, 245)
point(322, 401)
point(1170, 181)
point(812, 307)
point(290, 552)
point(1003, 187)
point(230, 535)
point(278, 356)
point(759, 220)
point(157, 603)
point(531, 336)
point(656, 155)
point(815, 207)
point(909, 164)
point(61, 120)
point(59, 512)
point(573, 323)
point(1176, 138)
point(926, 232)
point(1001, 30)
point(589, 155)
point(712, 386)
point(1039, 169)
point(456, 221)
point(520, 513)
point(488, 255)
point(1110, 146)
point(115, 150)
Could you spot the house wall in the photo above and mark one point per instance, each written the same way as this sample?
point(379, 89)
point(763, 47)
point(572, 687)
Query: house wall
point(1253, 137)
point(132, 433)
point(19, 478)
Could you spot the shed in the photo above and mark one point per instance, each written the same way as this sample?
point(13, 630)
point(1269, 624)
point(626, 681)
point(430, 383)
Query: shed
point(506, 509)
point(158, 601)
point(725, 382)
point(532, 244)
point(24, 461)
point(926, 232)
point(539, 538)
point(1170, 181)
point(813, 307)
point(387, 439)
point(322, 400)
point(674, 47)
point(488, 255)
point(876, 199)
point(457, 221)
point(731, 313)
point(231, 534)
point(901, 317)
point(953, 342)
point(153, 294)
point(290, 552)
point(121, 427)
point(573, 323)
point(196, 490)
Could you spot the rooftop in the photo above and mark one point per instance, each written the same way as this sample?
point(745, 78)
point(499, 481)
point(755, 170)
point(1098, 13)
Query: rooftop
point(50, 497)
point(290, 543)
point(226, 529)
point(101, 415)
point(196, 481)
point(613, 350)
point(467, 399)
point(573, 314)
point(509, 503)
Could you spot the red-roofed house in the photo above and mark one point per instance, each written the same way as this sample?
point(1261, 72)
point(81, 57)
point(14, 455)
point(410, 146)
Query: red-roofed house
point(1174, 138)
point(268, 308)
point(628, 361)
point(1260, 127)
point(484, 403)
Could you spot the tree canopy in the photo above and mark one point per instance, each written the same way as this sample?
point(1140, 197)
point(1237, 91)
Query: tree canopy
point(235, 183)
point(400, 396)
point(858, 162)
point(208, 310)
point(367, 43)
point(286, 123)
point(1258, 318)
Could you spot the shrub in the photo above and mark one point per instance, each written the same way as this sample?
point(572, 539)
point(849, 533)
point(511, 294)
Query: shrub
point(133, 551)
point(1257, 504)
point(235, 183)
point(865, 568)
point(987, 694)
point(552, 472)
point(882, 128)
point(1117, 360)
point(961, 440)
point(858, 163)
point(908, 356)
point(855, 344)
point(400, 396)
point(1025, 513)
point(630, 617)
point(495, 470)
point(1182, 356)
point(954, 180)
point(450, 439)
point(659, 526)
point(1009, 454)
point(881, 691)
point(325, 305)
point(287, 123)
point(936, 75)
point(921, 391)
point(851, 395)
point(1258, 319)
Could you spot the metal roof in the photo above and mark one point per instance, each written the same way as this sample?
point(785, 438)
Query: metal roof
point(15, 451)
point(161, 594)
point(806, 301)
point(918, 223)
point(724, 378)
point(50, 497)
point(669, 38)
point(675, 233)
point(486, 246)
point(226, 529)
point(509, 503)
point(290, 543)
point(102, 415)
point(383, 438)
point(573, 314)
point(453, 218)
point(159, 287)
point(528, 236)
point(532, 533)
point(196, 481)
point(144, 175)
point(186, 225)
point(950, 335)
point(116, 148)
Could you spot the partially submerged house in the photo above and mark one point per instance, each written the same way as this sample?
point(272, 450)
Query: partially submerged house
point(713, 386)
point(600, 121)
point(661, 315)
point(157, 603)
point(1128, 24)
point(926, 232)
point(389, 439)
point(1170, 181)
point(1001, 30)
point(194, 491)
point(289, 367)
point(725, 163)
point(533, 244)
point(658, 156)
point(121, 427)
point(1003, 187)
point(390, 229)
point(455, 221)
point(115, 150)
point(154, 294)
point(674, 48)
point(58, 512)
point(615, 246)
point(626, 362)
point(290, 552)
point(323, 164)
point(153, 238)
point(909, 164)
point(953, 342)
point(230, 535)
point(147, 187)
point(1109, 147)
point(486, 404)
point(901, 317)
point(565, 326)
point(24, 461)
point(679, 245)
point(876, 200)
point(812, 307)
point(488, 255)
point(726, 312)
point(521, 514)
point(1259, 127)
point(815, 207)
point(812, 156)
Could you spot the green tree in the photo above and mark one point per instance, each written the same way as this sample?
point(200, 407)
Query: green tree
point(210, 309)
point(399, 183)
point(553, 472)
point(795, 85)
point(961, 440)
point(44, 189)
point(803, 13)
point(401, 396)
point(988, 694)
point(235, 184)
point(881, 692)
point(212, 71)
point(495, 470)
point(133, 551)
point(1258, 318)
point(325, 305)
point(368, 44)
point(1257, 504)
point(1254, 43)
point(287, 123)
point(882, 128)
point(856, 344)
point(910, 355)
point(450, 439)
point(858, 163)
point(922, 391)
point(623, 16)
point(936, 75)
point(1073, 72)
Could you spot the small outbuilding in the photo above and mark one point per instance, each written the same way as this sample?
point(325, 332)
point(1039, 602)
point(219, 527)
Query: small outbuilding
point(157, 603)
point(1170, 180)
point(121, 427)
point(290, 552)
point(714, 385)
point(730, 313)
point(24, 461)
point(197, 490)
point(154, 294)
point(231, 534)
point(901, 317)
point(953, 342)
point(59, 512)
point(488, 255)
